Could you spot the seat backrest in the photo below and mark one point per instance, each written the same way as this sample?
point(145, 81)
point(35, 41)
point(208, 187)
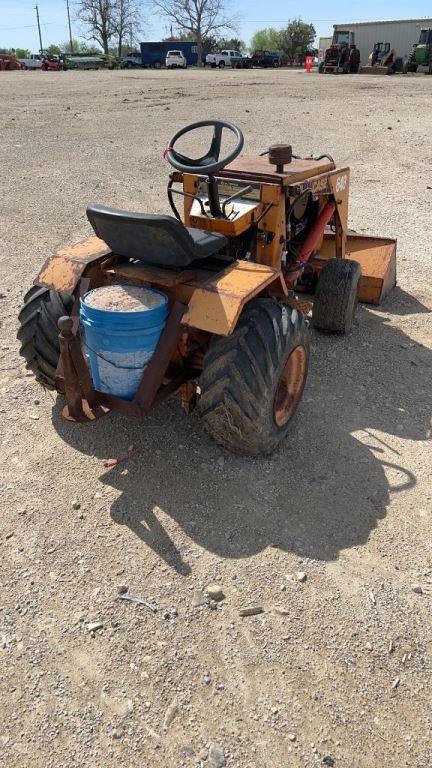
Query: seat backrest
point(151, 238)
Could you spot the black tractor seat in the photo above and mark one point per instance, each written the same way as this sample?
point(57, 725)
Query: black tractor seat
point(153, 239)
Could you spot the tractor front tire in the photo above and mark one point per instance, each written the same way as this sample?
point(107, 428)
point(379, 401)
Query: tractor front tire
point(38, 332)
point(253, 380)
point(336, 296)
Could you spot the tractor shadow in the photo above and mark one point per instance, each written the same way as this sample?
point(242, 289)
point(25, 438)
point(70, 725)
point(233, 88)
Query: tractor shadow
point(323, 491)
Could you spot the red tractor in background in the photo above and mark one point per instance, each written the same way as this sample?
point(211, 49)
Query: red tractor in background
point(8, 63)
point(343, 57)
point(52, 63)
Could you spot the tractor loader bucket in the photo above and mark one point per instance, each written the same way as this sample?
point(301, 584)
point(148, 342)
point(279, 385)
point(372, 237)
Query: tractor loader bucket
point(377, 258)
point(376, 70)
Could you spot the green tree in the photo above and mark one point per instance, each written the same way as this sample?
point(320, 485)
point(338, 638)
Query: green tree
point(232, 44)
point(22, 53)
point(78, 46)
point(54, 50)
point(210, 44)
point(297, 37)
point(269, 39)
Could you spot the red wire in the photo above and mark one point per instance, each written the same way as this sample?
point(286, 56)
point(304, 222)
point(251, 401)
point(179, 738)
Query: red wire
point(113, 462)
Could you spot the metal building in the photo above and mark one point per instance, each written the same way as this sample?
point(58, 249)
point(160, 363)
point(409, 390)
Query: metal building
point(324, 43)
point(401, 34)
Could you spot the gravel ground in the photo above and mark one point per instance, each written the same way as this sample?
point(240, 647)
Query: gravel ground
point(331, 536)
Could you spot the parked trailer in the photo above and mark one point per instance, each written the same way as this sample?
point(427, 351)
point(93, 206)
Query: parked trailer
point(401, 34)
point(154, 54)
point(8, 63)
point(79, 61)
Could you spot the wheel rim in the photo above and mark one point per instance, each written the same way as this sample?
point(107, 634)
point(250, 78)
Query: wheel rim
point(290, 386)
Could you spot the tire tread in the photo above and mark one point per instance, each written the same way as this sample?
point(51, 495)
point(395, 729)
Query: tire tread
point(38, 331)
point(241, 373)
point(336, 296)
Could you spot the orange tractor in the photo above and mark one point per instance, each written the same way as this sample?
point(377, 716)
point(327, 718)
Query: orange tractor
point(261, 250)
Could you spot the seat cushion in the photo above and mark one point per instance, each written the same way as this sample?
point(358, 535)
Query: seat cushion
point(151, 238)
point(207, 243)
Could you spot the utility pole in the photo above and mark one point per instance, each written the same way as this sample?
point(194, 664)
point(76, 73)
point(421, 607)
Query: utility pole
point(70, 28)
point(38, 23)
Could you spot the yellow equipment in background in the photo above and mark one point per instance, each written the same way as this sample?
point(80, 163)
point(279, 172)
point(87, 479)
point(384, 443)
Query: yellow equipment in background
point(382, 61)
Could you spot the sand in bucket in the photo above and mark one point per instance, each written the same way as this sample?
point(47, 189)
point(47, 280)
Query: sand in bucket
point(122, 325)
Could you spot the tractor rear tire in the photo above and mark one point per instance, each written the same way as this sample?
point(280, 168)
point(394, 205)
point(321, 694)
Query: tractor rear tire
point(336, 296)
point(253, 380)
point(38, 332)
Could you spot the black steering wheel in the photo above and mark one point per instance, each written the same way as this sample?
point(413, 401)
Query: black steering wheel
point(211, 162)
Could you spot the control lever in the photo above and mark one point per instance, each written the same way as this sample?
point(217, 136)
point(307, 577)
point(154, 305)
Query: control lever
point(237, 194)
point(184, 194)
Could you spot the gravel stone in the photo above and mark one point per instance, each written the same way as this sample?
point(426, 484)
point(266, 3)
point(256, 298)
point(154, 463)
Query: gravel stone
point(215, 592)
point(253, 611)
point(199, 598)
point(170, 714)
point(301, 576)
point(93, 626)
point(216, 756)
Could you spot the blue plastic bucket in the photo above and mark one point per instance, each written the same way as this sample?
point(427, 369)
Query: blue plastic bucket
point(119, 344)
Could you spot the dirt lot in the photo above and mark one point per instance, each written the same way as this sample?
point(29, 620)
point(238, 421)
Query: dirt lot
point(337, 670)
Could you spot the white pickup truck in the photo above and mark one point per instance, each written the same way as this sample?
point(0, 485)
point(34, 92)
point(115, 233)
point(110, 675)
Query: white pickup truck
point(34, 61)
point(222, 59)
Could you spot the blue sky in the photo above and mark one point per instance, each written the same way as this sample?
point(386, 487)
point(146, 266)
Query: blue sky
point(18, 21)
